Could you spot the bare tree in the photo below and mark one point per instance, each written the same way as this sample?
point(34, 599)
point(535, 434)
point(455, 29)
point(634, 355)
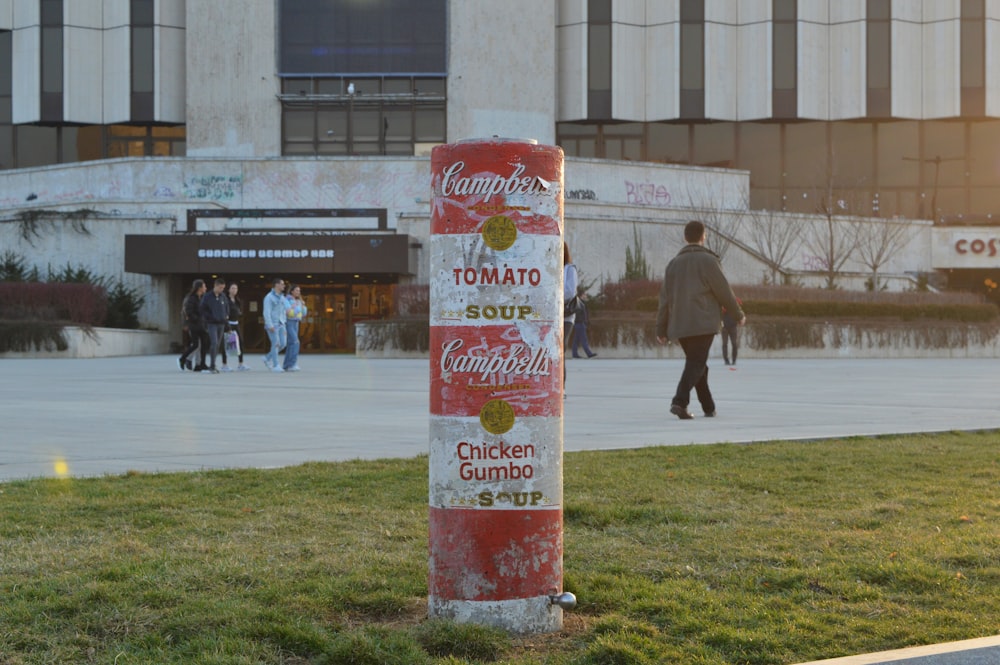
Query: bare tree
point(834, 238)
point(773, 237)
point(724, 224)
point(879, 240)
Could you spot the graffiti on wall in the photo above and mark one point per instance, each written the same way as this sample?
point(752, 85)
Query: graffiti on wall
point(213, 187)
point(646, 194)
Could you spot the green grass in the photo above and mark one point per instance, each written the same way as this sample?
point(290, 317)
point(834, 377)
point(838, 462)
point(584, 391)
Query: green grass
point(760, 554)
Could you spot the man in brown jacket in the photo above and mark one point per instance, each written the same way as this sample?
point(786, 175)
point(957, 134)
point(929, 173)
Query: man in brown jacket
point(691, 300)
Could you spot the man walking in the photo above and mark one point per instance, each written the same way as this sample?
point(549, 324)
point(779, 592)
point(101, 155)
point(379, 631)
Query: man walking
point(274, 322)
point(691, 300)
point(215, 312)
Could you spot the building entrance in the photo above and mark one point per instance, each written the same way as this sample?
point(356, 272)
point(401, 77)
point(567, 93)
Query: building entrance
point(333, 309)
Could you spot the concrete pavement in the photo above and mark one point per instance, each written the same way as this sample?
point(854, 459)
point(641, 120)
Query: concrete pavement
point(112, 415)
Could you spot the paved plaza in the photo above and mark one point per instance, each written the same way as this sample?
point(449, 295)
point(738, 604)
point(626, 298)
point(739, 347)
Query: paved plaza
point(113, 415)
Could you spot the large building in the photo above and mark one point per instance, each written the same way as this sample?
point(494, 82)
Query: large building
point(170, 139)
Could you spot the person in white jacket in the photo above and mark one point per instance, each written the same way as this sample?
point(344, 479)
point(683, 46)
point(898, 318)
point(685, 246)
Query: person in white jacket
point(274, 323)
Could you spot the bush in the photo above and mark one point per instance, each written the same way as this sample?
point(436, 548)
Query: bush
point(31, 335)
point(625, 295)
point(412, 300)
point(81, 304)
point(124, 304)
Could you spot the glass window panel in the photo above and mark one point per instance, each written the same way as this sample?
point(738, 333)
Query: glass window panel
point(6, 63)
point(430, 125)
point(161, 148)
point(879, 9)
point(142, 60)
point(599, 58)
point(127, 130)
point(951, 202)
point(89, 143)
point(52, 12)
point(366, 126)
point(173, 132)
point(398, 148)
point(298, 149)
point(784, 56)
point(944, 153)
point(692, 56)
point(366, 86)
point(714, 144)
point(586, 147)
point(985, 201)
point(349, 37)
point(142, 12)
point(973, 54)
point(798, 199)
point(36, 146)
point(397, 126)
point(765, 198)
point(430, 86)
point(805, 155)
point(599, 11)
point(784, 10)
point(852, 152)
point(973, 9)
point(332, 120)
point(576, 129)
point(879, 57)
point(366, 148)
point(668, 143)
point(52, 60)
point(898, 146)
point(397, 86)
point(760, 153)
point(297, 86)
point(330, 148)
point(6, 147)
point(984, 153)
point(692, 11)
point(299, 125)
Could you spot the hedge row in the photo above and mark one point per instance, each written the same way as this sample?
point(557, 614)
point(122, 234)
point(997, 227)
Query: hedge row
point(81, 304)
point(964, 313)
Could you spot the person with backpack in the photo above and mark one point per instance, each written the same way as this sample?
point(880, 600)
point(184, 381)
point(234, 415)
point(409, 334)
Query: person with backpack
point(194, 324)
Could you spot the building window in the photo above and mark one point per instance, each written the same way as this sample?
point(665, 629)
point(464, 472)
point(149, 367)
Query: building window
point(692, 92)
point(52, 61)
point(879, 59)
point(145, 141)
point(351, 38)
point(599, 59)
point(6, 130)
point(973, 58)
point(784, 95)
point(142, 60)
point(363, 116)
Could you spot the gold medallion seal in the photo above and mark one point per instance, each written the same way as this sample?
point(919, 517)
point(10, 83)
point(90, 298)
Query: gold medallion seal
point(497, 416)
point(499, 232)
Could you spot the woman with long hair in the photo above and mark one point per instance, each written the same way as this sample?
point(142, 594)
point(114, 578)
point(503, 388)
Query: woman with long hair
point(194, 324)
point(234, 326)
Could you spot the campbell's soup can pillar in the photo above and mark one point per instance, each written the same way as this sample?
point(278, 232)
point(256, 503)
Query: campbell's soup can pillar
point(496, 402)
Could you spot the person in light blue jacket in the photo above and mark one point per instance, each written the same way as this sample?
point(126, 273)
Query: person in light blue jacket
point(274, 323)
point(295, 311)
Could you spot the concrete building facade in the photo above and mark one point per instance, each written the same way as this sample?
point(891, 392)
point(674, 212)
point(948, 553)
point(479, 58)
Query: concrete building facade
point(163, 140)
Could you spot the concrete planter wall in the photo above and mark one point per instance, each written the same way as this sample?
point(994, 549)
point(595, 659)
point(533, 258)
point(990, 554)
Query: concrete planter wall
point(103, 343)
point(761, 339)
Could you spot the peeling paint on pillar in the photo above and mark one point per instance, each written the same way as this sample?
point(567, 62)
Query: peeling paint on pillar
point(496, 431)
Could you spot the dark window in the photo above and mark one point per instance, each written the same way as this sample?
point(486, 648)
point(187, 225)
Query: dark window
point(784, 96)
point(599, 59)
point(346, 37)
point(973, 58)
point(142, 56)
point(6, 131)
point(52, 61)
point(391, 116)
point(879, 59)
point(692, 92)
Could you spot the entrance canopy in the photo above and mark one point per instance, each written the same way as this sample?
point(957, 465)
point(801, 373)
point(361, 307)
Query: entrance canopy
point(270, 254)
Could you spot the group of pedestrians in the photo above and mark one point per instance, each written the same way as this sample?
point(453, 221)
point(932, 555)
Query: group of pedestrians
point(213, 321)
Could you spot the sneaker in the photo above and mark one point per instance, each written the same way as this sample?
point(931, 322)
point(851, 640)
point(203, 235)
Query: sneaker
point(189, 366)
point(180, 361)
point(243, 368)
point(227, 368)
point(207, 371)
point(277, 369)
point(267, 363)
point(591, 355)
point(710, 414)
point(294, 369)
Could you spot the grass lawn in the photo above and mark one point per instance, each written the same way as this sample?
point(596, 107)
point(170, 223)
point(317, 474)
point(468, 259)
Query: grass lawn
point(759, 554)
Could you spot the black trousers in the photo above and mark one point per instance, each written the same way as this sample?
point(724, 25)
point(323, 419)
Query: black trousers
point(695, 373)
point(196, 337)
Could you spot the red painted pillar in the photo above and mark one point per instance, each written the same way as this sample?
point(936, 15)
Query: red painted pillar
point(496, 436)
